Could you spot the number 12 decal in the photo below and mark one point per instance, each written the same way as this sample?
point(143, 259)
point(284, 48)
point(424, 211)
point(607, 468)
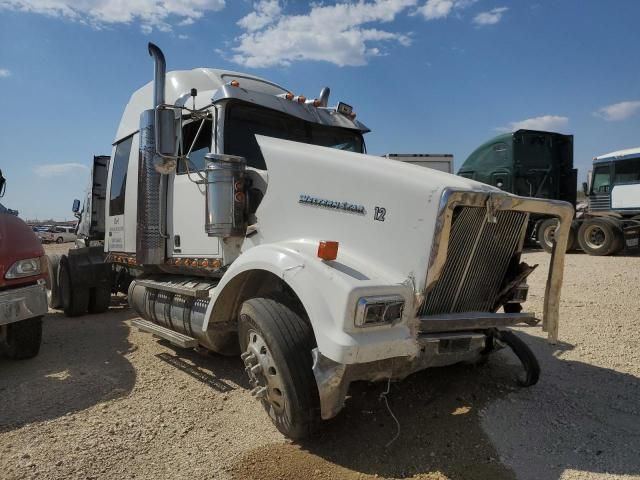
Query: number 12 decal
point(379, 214)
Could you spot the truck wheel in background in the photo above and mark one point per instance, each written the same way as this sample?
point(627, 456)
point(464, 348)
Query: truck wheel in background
point(277, 345)
point(23, 338)
point(600, 236)
point(99, 299)
point(546, 234)
point(59, 240)
point(75, 298)
point(53, 290)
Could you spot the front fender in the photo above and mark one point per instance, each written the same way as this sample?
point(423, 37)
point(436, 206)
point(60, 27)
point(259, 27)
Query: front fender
point(329, 292)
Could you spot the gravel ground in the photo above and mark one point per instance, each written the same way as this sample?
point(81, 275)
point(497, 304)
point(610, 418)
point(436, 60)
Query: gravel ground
point(103, 400)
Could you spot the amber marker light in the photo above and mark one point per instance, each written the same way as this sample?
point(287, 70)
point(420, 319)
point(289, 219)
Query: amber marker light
point(328, 250)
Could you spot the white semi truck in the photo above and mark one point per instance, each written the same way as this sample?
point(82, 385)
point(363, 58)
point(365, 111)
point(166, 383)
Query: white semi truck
point(244, 219)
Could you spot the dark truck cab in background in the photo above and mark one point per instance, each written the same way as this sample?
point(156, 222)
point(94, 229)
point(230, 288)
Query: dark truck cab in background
point(529, 163)
point(23, 294)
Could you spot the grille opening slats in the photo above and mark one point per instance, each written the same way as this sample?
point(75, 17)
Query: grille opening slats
point(478, 257)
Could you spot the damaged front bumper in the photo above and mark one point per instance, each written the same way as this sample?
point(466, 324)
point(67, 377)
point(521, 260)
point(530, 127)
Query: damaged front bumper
point(442, 340)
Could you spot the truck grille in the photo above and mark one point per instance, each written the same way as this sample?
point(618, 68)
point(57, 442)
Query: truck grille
point(600, 202)
point(478, 256)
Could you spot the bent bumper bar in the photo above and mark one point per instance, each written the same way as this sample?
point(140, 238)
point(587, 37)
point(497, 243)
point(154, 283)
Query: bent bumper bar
point(22, 303)
point(453, 322)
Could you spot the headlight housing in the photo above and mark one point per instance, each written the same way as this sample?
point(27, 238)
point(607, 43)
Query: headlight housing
point(379, 310)
point(24, 268)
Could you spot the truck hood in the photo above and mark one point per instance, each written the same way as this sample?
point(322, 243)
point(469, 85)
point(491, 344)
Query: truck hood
point(17, 242)
point(381, 211)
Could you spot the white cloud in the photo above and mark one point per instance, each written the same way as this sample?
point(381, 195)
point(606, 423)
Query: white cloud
point(183, 37)
point(491, 17)
point(53, 169)
point(435, 9)
point(266, 11)
point(4, 73)
point(619, 111)
point(340, 34)
point(149, 13)
point(550, 123)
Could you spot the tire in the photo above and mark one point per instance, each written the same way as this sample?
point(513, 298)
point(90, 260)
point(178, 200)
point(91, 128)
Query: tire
point(59, 240)
point(525, 355)
point(53, 290)
point(23, 338)
point(278, 342)
point(99, 299)
point(546, 232)
point(600, 237)
point(75, 299)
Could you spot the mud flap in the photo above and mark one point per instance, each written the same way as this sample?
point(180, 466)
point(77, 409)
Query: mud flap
point(524, 354)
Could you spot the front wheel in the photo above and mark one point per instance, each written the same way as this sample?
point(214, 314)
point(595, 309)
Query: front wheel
point(59, 240)
point(547, 233)
point(23, 338)
point(599, 237)
point(277, 345)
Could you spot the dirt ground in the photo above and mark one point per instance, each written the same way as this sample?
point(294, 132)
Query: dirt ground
point(103, 400)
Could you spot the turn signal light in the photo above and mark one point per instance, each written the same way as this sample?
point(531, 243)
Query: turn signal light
point(234, 83)
point(328, 250)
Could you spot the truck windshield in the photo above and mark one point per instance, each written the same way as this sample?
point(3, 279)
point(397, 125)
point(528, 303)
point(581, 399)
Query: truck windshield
point(601, 180)
point(243, 122)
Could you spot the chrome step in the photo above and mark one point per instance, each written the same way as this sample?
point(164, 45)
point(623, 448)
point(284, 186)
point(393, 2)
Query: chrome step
point(176, 338)
point(173, 288)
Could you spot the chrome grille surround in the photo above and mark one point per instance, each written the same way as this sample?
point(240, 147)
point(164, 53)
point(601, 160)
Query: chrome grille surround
point(495, 202)
point(479, 254)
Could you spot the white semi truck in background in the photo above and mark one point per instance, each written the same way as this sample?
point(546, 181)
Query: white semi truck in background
point(244, 219)
point(438, 161)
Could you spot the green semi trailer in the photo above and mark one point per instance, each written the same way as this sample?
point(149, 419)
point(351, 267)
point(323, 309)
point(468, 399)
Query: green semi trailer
point(539, 164)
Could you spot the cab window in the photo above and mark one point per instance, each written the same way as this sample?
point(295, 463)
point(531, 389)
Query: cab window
point(201, 147)
point(119, 176)
point(628, 171)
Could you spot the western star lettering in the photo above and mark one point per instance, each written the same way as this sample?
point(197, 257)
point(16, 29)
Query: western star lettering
point(332, 204)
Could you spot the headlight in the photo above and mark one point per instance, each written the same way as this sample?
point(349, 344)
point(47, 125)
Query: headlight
point(379, 310)
point(24, 268)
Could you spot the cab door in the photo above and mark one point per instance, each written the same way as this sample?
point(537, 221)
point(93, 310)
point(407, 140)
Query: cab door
point(187, 237)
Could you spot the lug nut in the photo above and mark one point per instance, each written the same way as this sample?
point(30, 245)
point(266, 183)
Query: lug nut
point(259, 392)
point(250, 360)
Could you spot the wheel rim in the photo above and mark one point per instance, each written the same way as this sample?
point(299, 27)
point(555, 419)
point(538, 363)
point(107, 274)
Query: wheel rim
point(549, 234)
point(594, 237)
point(264, 374)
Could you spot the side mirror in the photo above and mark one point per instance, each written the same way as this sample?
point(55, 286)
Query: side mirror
point(76, 206)
point(585, 188)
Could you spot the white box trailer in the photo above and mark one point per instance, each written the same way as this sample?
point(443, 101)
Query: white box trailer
point(438, 161)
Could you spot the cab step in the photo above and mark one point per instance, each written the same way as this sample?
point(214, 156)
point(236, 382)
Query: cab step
point(175, 338)
point(179, 288)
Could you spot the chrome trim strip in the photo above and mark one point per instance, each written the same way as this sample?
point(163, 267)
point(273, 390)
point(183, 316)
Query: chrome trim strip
point(452, 198)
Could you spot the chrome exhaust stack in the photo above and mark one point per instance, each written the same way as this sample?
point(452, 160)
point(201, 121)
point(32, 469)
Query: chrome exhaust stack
point(152, 185)
point(324, 96)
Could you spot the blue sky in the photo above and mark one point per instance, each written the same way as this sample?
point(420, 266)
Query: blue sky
point(427, 76)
